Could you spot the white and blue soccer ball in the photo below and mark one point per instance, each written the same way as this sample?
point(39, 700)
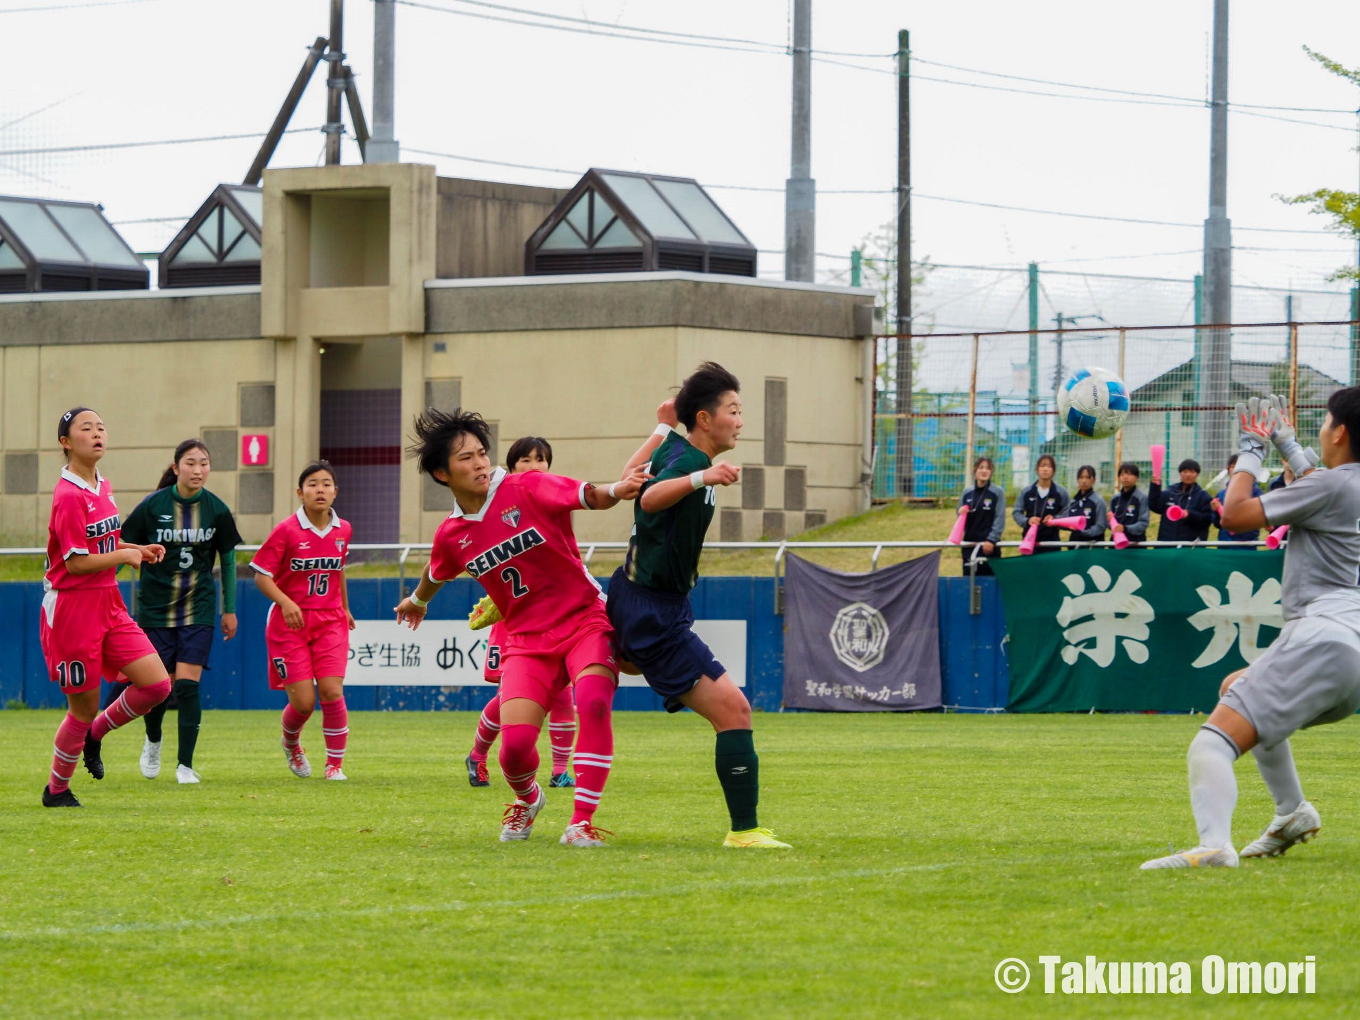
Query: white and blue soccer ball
point(1093, 403)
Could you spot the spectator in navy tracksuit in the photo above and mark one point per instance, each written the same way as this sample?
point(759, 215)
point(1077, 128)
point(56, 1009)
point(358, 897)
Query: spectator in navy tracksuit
point(1129, 506)
point(1089, 504)
point(1042, 501)
point(1281, 480)
point(1217, 504)
point(1186, 494)
point(986, 505)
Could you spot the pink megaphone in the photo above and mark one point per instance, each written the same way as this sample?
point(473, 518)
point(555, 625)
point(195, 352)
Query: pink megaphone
point(1027, 543)
point(956, 533)
point(1071, 523)
point(1158, 452)
point(1121, 540)
point(1274, 539)
point(1174, 513)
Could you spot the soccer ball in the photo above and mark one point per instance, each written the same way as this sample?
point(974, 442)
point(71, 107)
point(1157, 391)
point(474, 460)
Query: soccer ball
point(1093, 403)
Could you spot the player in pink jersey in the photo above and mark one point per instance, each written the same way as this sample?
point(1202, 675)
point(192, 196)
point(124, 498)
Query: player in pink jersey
point(84, 627)
point(301, 569)
point(512, 533)
point(530, 453)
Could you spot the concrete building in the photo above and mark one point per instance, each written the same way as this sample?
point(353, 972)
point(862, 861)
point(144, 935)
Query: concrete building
point(384, 289)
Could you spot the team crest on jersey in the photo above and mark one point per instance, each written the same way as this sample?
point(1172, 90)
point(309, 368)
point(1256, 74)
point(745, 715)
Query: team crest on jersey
point(340, 544)
point(511, 517)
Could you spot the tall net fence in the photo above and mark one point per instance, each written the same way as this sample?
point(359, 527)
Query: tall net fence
point(995, 394)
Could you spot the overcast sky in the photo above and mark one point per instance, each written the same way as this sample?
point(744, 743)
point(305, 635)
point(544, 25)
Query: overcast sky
point(518, 93)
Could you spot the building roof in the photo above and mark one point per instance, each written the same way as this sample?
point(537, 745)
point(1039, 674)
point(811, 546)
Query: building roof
point(616, 221)
point(67, 246)
point(1249, 378)
point(221, 242)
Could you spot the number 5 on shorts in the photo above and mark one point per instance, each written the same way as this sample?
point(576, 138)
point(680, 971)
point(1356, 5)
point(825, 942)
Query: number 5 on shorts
point(281, 668)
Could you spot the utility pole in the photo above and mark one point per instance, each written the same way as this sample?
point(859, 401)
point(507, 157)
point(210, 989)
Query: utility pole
point(906, 469)
point(800, 190)
point(383, 146)
point(1217, 374)
point(335, 83)
point(1033, 363)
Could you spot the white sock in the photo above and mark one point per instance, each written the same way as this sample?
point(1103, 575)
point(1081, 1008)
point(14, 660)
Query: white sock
point(1213, 787)
point(1276, 766)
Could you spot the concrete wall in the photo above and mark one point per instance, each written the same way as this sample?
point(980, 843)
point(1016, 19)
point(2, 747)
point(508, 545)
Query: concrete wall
point(483, 226)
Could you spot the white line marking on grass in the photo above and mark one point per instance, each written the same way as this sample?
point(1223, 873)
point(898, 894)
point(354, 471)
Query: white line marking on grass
point(189, 924)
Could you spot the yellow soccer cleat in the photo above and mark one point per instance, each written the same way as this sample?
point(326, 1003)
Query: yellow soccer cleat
point(484, 614)
point(759, 839)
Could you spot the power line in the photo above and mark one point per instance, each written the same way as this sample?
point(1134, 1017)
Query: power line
point(144, 145)
point(43, 9)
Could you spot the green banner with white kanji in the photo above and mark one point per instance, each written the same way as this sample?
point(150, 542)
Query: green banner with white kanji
point(1145, 630)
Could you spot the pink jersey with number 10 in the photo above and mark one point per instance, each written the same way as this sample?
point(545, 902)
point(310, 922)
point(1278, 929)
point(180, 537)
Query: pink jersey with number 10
point(306, 562)
point(521, 548)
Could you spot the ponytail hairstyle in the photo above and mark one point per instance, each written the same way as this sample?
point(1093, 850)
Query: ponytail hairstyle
point(169, 477)
point(64, 427)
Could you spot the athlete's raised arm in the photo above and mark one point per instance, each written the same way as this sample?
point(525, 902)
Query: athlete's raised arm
point(631, 484)
point(665, 494)
point(666, 421)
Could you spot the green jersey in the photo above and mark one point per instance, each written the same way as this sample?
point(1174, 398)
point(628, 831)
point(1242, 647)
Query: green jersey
point(179, 590)
point(663, 553)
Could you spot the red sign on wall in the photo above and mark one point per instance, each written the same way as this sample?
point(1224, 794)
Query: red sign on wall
point(255, 450)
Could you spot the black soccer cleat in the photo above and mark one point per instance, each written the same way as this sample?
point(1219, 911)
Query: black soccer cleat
point(562, 780)
point(477, 773)
point(94, 764)
point(64, 799)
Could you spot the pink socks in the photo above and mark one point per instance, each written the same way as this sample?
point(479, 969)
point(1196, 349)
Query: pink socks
point(595, 747)
point(519, 759)
point(562, 730)
point(293, 721)
point(66, 752)
point(488, 728)
point(133, 703)
point(335, 728)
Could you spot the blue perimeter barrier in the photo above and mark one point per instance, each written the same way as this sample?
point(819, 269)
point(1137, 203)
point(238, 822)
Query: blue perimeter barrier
point(972, 648)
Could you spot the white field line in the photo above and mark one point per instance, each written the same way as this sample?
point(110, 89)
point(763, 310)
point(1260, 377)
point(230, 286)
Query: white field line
point(456, 906)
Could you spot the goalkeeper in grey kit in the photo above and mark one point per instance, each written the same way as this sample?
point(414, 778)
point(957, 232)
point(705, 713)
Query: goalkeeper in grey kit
point(1311, 674)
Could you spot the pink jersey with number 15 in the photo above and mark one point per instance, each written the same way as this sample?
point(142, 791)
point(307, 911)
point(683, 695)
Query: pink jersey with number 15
point(521, 548)
point(306, 562)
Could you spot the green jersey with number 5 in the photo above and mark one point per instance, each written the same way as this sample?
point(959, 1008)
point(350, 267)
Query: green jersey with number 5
point(179, 590)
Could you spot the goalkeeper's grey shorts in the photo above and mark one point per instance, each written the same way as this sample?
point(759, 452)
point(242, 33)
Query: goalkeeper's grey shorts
point(1309, 676)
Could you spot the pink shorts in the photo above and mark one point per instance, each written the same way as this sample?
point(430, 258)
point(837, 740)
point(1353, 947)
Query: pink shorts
point(540, 666)
point(87, 633)
point(319, 648)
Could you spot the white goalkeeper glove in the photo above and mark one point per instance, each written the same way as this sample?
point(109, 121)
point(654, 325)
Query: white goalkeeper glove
point(1285, 439)
point(1254, 425)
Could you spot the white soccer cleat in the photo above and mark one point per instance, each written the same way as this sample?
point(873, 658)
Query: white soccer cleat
point(1284, 831)
point(185, 775)
point(334, 772)
point(297, 760)
point(584, 834)
point(1199, 857)
point(151, 759)
point(519, 818)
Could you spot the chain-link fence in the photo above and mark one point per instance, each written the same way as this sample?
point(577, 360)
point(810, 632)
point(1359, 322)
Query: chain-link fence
point(994, 394)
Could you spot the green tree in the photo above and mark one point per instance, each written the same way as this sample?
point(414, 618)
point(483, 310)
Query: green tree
point(1342, 206)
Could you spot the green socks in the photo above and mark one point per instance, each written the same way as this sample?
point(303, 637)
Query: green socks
point(739, 772)
point(153, 722)
point(190, 714)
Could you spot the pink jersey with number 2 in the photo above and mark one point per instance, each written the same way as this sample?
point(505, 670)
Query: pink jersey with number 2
point(521, 548)
point(306, 562)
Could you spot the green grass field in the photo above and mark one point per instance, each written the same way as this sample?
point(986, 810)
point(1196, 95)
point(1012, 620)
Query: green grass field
point(927, 849)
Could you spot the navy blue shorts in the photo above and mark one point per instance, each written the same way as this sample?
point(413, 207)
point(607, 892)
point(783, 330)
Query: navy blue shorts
point(189, 645)
point(655, 632)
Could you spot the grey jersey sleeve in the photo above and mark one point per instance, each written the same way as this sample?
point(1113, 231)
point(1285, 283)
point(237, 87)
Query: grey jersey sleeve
point(1098, 519)
point(1305, 497)
point(1019, 512)
point(999, 521)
